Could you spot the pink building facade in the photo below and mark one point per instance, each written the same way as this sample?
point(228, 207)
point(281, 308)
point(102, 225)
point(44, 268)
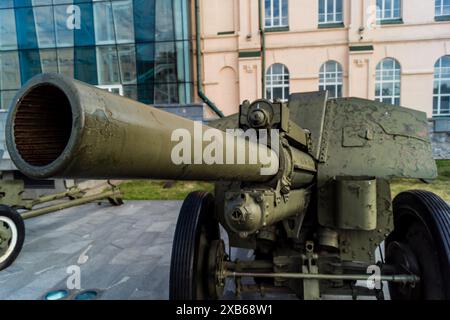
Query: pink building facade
point(390, 50)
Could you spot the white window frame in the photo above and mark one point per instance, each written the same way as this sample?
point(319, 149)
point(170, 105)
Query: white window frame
point(439, 6)
point(335, 12)
point(271, 19)
point(111, 87)
point(438, 80)
point(270, 77)
point(382, 81)
point(382, 17)
point(336, 80)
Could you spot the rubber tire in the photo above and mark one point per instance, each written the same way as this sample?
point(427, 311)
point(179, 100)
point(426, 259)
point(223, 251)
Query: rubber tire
point(17, 219)
point(196, 214)
point(422, 221)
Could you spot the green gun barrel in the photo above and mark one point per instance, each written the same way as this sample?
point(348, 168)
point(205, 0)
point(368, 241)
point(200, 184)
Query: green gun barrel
point(59, 127)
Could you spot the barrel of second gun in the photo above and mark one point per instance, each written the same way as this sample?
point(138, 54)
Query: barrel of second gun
point(59, 127)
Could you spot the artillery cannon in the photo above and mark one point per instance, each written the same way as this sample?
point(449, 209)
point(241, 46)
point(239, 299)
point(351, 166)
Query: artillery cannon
point(313, 205)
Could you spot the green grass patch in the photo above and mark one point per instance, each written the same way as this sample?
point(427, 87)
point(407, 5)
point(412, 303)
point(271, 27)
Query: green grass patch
point(161, 190)
point(440, 186)
point(178, 190)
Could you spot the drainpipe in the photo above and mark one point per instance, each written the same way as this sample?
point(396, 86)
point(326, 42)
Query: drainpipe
point(263, 49)
point(200, 92)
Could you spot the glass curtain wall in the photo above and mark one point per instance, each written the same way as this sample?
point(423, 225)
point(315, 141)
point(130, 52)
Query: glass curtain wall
point(139, 46)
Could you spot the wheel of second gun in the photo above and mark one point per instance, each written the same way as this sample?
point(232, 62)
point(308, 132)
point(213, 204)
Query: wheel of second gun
point(12, 235)
point(197, 229)
point(420, 244)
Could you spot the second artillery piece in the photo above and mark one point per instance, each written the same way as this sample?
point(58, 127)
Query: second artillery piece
point(313, 223)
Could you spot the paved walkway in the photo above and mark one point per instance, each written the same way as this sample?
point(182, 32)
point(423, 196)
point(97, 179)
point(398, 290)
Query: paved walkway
point(122, 251)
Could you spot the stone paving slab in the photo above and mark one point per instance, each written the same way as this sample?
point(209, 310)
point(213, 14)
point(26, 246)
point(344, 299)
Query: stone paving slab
point(121, 251)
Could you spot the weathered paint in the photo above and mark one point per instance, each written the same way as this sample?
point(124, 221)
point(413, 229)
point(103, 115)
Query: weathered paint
point(115, 137)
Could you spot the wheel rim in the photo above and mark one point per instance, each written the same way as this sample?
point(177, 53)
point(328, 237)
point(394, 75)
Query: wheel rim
point(8, 237)
point(216, 259)
point(401, 255)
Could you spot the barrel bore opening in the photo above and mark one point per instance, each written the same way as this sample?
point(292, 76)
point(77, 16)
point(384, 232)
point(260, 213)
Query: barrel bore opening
point(42, 125)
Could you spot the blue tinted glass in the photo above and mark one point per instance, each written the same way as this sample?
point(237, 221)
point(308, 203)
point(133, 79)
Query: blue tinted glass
point(284, 9)
point(445, 61)
point(435, 105)
point(9, 70)
point(268, 8)
point(69, 1)
point(388, 64)
point(22, 3)
point(85, 68)
point(276, 12)
point(436, 87)
point(130, 91)
point(387, 5)
point(49, 61)
point(145, 62)
point(322, 6)
point(445, 87)
point(165, 93)
point(8, 38)
point(30, 64)
point(65, 61)
point(165, 62)
point(64, 35)
point(108, 65)
point(127, 63)
point(104, 26)
point(181, 20)
point(6, 4)
point(123, 21)
point(338, 5)
point(5, 98)
point(41, 2)
point(45, 26)
point(330, 6)
point(26, 32)
point(144, 20)
point(145, 93)
point(85, 36)
point(164, 20)
point(446, 8)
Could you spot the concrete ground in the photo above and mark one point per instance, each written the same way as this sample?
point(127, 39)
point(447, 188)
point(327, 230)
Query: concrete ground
point(121, 252)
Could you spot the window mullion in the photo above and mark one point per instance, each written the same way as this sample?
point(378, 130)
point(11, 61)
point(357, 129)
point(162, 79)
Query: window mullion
point(280, 10)
point(392, 8)
point(271, 12)
point(333, 13)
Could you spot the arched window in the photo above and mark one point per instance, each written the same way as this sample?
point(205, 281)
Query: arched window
point(276, 13)
point(330, 78)
point(387, 84)
point(441, 92)
point(277, 82)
